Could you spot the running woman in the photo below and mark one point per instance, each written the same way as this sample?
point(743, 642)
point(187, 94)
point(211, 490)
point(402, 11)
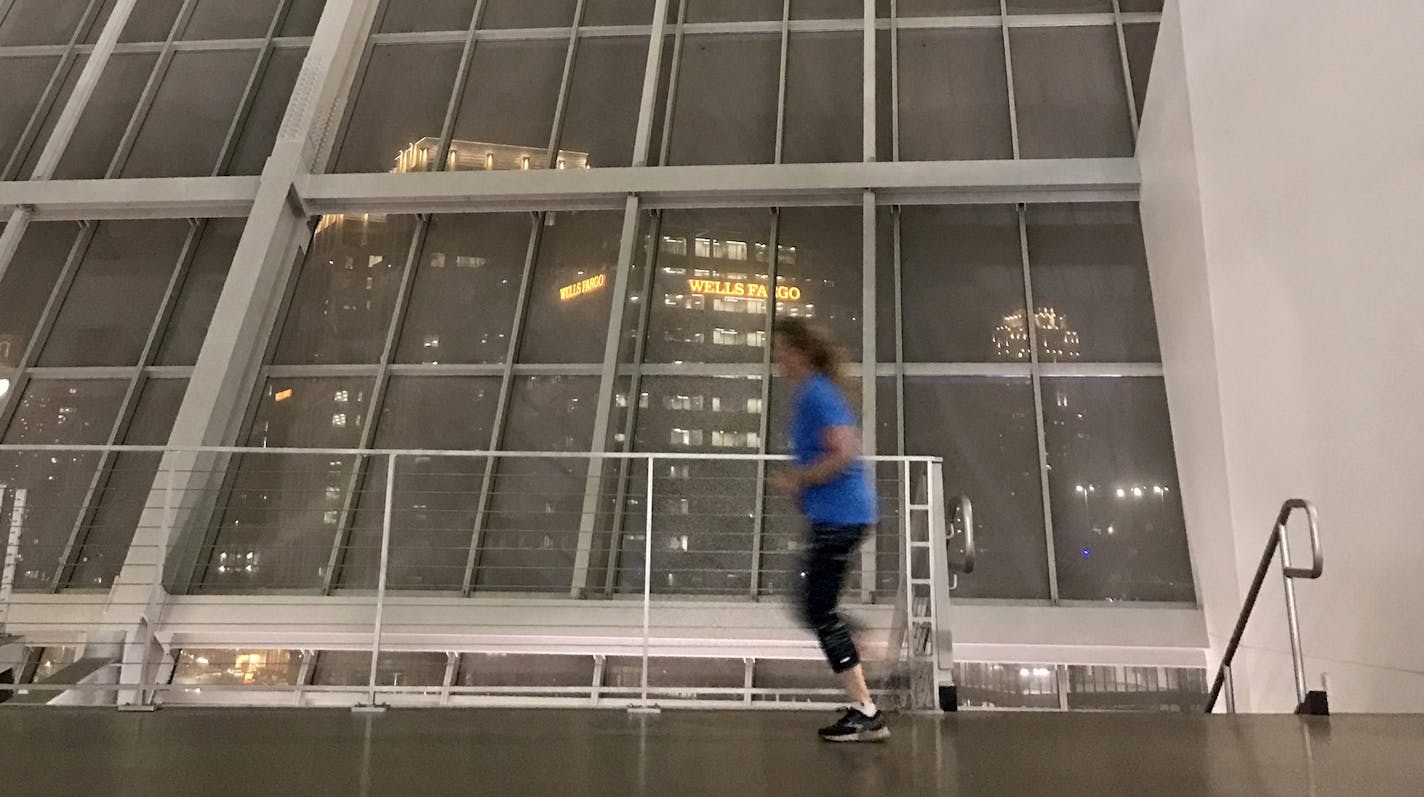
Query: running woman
point(838, 500)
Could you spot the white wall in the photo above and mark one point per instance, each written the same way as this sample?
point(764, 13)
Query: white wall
point(1283, 200)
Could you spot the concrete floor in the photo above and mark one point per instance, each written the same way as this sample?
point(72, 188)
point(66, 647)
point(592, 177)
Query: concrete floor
point(249, 752)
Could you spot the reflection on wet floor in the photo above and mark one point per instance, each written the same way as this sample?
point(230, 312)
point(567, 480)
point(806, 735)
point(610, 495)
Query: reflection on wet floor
point(558, 752)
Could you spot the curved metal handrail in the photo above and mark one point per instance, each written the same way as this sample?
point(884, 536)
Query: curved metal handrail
point(1279, 538)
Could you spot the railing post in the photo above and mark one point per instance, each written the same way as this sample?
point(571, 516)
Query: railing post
point(381, 583)
point(1292, 616)
point(646, 706)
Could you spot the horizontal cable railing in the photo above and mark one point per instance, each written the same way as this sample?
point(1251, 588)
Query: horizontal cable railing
point(234, 574)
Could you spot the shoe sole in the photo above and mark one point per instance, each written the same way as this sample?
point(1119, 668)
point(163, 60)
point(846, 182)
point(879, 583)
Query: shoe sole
point(860, 736)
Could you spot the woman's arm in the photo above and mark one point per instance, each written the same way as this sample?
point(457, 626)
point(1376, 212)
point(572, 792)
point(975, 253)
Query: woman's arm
point(842, 449)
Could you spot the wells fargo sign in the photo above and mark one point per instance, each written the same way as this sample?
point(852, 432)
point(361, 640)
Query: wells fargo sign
point(583, 286)
point(748, 290)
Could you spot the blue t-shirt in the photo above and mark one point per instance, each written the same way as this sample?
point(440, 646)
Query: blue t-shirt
point(849, 499)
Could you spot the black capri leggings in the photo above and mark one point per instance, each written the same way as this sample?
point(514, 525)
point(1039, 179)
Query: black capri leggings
point(827, 558)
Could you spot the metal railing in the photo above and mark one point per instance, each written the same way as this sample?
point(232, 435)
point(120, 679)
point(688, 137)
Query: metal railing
point(342, 577)
point(1307, 702)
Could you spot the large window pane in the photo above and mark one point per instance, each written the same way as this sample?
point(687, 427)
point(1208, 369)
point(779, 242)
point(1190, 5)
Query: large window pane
point(954, 101)
point(353, 668)
point(823, 118)
point(935, 8)
point(303, 18)
point(110, 309)
point(224, 19)
point(473, 261)
point(710, 290)
point(393, 112)
point(507, 110)
point(405, 16)
point(126, 486)
point(188, 326)
point(961, 271)
point(572, 290)
point(1141, 46)
point(732, 10)
point(264, 118)
point(91, 149)
point(150, 20)
point(436, 498)
point(1140, 6)
point(1069, 88)
point(220, 667)
point(524, 14)
point(28, 283)
point(604, 96)
point(618, 12)
point(1090, 284)
point(41, 22)
point(1060, 6)
point(986, 432)
point(25, 80)
point(280, 515)
point(827, 9)
point(184, 131)
point(346, 291)
point(1117, 507)
point(819, 271)
point(498, 669)
point(726, 100)
point(30, 155)
point(702, 510)
point(531, 534)
point(53, 412)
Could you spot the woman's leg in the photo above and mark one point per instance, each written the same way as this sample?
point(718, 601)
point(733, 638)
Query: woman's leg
point(827, 561)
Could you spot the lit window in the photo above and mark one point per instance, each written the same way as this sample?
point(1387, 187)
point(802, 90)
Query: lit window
point(437, 260)
point(330, 517)
point(686, 437)
point(736, 250)
point(339, 420)
point(703, 248)
point(470, 262)
point(754, 406)
point(432, 341)
point(674, 246)
point(342, 396)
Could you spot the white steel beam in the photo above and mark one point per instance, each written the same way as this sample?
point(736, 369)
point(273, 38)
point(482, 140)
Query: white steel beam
point(1003, 181)
point(148, 198)
point(232, 352)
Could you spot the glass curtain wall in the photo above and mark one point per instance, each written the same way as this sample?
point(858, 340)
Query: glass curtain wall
point(1016, 342)
point(101, 322)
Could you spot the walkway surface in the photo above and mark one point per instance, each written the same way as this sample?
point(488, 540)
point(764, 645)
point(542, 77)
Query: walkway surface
point(46, 751)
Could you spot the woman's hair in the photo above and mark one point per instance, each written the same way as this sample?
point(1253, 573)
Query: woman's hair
point(824, 355)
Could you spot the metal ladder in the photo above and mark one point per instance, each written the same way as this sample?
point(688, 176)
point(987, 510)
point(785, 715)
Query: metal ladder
point(924, 535)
